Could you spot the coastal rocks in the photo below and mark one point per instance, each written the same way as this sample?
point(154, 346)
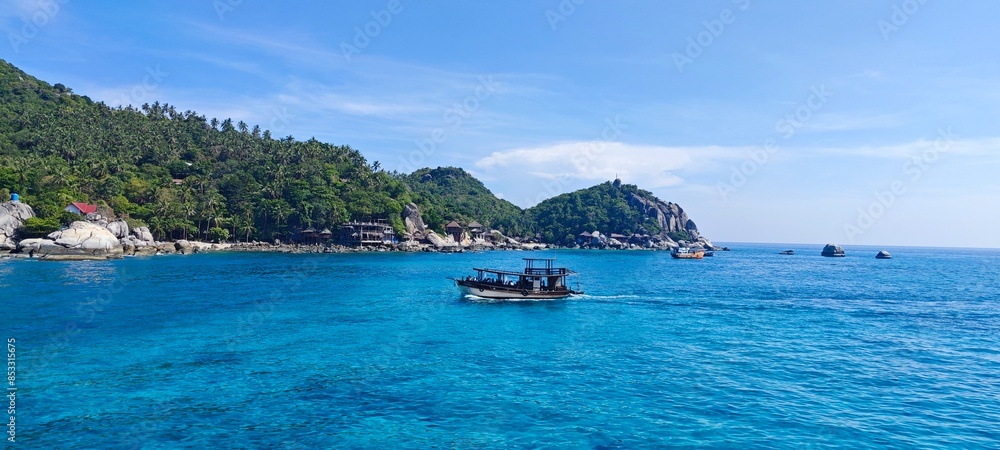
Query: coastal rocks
point(143, 234)
point(668, 215)
point(833, 250)
point(412, 218)
point(81, 241)
point(883, 255)
point(184, 247)
point(440, 242)
point(12, 216)
point(118, 228)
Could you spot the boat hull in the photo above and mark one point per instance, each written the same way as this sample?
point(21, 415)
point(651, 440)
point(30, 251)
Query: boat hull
point(494, 292)
point(692, 255)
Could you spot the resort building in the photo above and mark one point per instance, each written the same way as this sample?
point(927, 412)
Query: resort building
point(476, 230)
point(81, 208)
point(454, 230)
point(360, 234)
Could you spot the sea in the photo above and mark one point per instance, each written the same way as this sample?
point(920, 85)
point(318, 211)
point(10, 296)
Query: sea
point(745, 349)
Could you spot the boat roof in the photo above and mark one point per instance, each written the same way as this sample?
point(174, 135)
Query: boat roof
point(539, 259)
point(540, 275)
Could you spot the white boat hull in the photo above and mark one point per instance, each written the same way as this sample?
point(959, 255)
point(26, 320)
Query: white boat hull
point(511, 293)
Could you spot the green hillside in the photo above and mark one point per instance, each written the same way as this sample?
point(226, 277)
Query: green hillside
point(57, 147)
point(187, 176)
point(450, 193)
point(609, 207)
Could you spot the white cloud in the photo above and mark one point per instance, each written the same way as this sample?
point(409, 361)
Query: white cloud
point(596, 161)
point(946, 141)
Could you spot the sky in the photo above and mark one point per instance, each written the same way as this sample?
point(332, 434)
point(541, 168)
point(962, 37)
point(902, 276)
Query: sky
point(854, 122)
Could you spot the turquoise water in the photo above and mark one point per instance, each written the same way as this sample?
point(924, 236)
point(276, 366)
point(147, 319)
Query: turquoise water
point(746, 349)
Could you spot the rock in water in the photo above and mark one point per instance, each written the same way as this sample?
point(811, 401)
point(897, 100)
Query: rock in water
point(81, 241)
point(833, 250)
point(184, 247)
point(12, 216)
point(883, 255)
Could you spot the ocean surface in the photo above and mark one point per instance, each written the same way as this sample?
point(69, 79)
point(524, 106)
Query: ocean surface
point(745, 349)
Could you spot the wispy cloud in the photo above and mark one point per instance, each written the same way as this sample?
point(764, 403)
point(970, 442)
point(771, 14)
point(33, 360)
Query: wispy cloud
point(648, 166)
point(850, 122)
point(946, 142)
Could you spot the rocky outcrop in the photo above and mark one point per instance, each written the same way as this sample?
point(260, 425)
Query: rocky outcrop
point(81, 241)
point(118, 228)
point(833, 250)
point(412, 218)
point(143, 234)
point(668, 215)
point(184, 247)
point(12, 216)
point(440, 242)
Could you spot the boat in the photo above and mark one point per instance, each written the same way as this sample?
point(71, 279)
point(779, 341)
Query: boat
point(538, 281)
point(687, 253)
point(787, 252)
point(709, 253)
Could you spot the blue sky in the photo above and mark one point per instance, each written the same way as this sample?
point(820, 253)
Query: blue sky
point(866, 122)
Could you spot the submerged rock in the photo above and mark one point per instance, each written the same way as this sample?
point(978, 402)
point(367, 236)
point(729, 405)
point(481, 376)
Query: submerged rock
point(883, 255)
point(833, 250)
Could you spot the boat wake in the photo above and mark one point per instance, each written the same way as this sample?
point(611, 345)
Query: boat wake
point(606, 297)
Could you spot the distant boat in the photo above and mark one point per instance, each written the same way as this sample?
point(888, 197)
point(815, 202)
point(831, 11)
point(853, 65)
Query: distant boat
point(538, 281)
point(883, 255)
point(787, 252)
point(687, 253)
point(709, 253)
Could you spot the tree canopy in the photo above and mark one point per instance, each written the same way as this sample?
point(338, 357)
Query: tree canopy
point(187, 176)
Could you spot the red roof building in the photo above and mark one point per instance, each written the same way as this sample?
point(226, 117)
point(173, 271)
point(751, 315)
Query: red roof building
point(81, 208)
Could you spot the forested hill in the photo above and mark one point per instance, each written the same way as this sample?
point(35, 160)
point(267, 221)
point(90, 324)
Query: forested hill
point(187, 176)
point(610, 207)
point(57, 147)
point(450, 193)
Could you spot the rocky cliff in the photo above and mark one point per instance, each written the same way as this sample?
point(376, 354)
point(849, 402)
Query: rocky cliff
point(12, 216)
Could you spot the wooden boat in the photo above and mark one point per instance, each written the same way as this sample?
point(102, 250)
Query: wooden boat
point(539, 280)
point(687, 253)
